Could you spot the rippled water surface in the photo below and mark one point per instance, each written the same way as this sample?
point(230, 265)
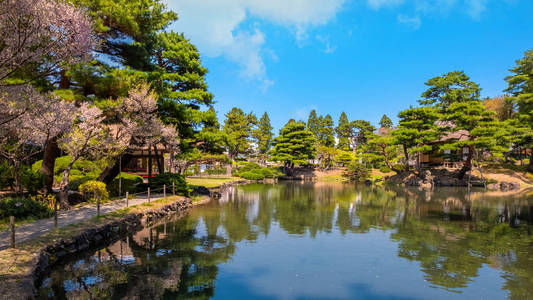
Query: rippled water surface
point(319, 241)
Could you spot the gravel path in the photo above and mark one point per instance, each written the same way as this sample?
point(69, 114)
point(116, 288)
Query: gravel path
point(38, 228)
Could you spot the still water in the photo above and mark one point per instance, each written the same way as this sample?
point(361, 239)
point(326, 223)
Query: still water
point(319, 241)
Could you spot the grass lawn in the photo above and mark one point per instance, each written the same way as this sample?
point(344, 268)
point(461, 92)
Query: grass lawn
point(210, 181)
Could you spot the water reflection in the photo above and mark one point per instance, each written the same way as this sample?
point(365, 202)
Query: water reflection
point(457, 240)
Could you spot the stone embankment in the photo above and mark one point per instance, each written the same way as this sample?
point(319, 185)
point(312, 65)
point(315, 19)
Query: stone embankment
point(40, 258)
point(442, 177)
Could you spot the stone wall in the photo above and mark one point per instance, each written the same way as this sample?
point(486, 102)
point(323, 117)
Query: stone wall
point(92, 237)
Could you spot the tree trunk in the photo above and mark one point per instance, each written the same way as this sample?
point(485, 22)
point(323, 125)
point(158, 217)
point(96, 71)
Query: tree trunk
point(63, 187)
point(468, 163)
point(160, 168)
point(406, 154)
point(18, 182)
point(149, 164)
point(111, 171)
point(51, 152)
point(530, 166)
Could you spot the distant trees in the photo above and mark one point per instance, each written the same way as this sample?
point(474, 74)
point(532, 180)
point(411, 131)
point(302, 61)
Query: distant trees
point(263, 136)
point(294, 145)
point(238, 131)
point(385, 122)
point(343, 133)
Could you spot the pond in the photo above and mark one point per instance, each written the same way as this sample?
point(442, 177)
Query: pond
point(318, 241)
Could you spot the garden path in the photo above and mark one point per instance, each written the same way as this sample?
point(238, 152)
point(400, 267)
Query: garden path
point(29, 231)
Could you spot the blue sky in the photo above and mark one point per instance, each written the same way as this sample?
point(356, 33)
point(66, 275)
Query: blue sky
point(364, 57)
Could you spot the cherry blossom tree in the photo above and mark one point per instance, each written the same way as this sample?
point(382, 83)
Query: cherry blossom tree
point(139, 127)
point(88, 138)
point(42, 32)
point(29, 119)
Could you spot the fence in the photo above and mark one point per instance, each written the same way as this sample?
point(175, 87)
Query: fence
point(116, 202)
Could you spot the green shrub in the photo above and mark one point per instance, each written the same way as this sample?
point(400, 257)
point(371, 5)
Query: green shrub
point(384, 169)
point(82, 170)
point(180, 185)
point(252, 175)
point(32, 181)
point(93, 190)
point(6, 175)
point(357, 172)
point(76, 180)
point(23, 208)
point(130, 183)
point(399, 167)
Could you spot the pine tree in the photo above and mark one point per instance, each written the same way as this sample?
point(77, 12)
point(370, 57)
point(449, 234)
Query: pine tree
point(343, 133)
point(238, 130)
point(521, 88)
point(294, 145)
point(325, 131)
point(313, 123)
point(385, 122)
point(263, 135)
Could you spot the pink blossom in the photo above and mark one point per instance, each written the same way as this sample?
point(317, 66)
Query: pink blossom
point(46, 32)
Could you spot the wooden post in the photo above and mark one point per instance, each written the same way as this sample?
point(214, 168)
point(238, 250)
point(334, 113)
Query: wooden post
point(173, 190)
point(12, 223)
point(55, 213)
point(164, 191)
point(127, 199)
point(148, 194)
point(98, 206)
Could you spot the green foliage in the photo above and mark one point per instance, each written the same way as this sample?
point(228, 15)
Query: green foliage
point(385, 122)
point(343, 132)
point(385, 169)
point(237, 130)
point(130, 183)
point(294, 145)
point(252, 175)
point(416, 130)
point(450, 88)
point(32, 181)
point(6, 174)
point(326, 133)
point(23, 208)
point(180, 185)
point(360, 130)
point(93, 190)
point(253, 171)
point(344, 158)
point(81, 172)
point(357, 172)
point(263, 134)
point(312, 123)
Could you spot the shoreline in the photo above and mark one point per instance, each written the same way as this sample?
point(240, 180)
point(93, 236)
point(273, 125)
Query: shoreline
point(22, 267)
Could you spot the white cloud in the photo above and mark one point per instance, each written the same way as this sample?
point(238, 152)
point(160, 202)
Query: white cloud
point(215, 27)
point(325, 41)
point(412, 22)
point(474, 8)
point(377, 4)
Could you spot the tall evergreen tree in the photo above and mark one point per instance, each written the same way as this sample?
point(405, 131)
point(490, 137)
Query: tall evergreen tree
point(450, 88)
point(325, 131)
point(135, 48)
point(416, 130)
point(294, 145)
point(385, 122)
point(238, 130)
point(313, 124)
point(263, 135)
point(343, 132)
point(521, 88)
